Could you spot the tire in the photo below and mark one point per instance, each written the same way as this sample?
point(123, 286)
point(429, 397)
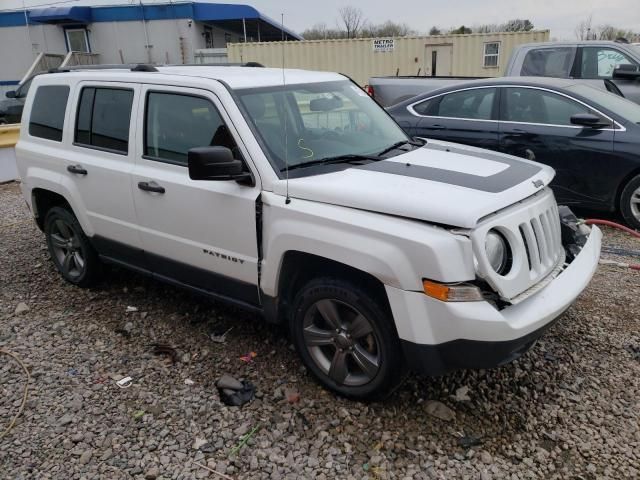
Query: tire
point(70, 249)
point(630, 203)
point(347, 339)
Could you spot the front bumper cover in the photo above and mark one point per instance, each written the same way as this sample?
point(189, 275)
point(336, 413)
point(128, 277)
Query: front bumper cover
point(475, 335)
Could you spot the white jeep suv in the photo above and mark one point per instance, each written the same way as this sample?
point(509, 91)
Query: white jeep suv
point(293, 194)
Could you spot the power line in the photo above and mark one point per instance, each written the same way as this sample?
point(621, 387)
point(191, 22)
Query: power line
point(20, 9)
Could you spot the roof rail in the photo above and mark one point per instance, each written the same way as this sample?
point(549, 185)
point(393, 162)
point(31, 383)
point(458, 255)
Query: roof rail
point(145, 67)
point(140, 67)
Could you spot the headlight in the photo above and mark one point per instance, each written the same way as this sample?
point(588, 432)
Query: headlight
point(497, 251)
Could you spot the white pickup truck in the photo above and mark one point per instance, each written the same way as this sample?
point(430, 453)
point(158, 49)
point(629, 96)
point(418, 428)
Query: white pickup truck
point(304, 201)
point(603, 64)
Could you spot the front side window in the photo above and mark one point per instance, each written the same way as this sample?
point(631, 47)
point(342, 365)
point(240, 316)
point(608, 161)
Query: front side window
point(311, 122)
point(48, 111)
point(475, 104)
point(528, 105)
point(175, 123)
point(103, 118)
point(491, 54)
point(599, 62)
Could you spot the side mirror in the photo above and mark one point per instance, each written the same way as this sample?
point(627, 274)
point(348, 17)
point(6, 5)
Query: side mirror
point(589, 120)
point(626, 72)
point(215, 163)
point(11, 94)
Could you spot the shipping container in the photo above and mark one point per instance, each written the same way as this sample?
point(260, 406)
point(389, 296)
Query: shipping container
point(474, 55)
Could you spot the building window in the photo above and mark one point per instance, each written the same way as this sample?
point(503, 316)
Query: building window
point(48, 111)
point(77, 40)
point(491, 54)
point(103, 119)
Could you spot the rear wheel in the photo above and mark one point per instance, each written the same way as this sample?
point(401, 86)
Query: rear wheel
point(70, 250)
point(346, 339)
point(630, 203)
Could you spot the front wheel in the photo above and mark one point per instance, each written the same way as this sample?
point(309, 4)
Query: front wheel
point(630, 203)
point(346, 338)
point(70, 250)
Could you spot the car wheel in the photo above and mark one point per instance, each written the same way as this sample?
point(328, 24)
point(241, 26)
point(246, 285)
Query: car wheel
point(346, 338)
point(630, 203)
point(70, 250)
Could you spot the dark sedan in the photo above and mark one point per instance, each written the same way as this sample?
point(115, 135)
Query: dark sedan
point(589, 136)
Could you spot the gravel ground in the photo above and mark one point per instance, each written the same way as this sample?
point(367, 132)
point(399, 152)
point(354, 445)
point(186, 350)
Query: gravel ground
point(569, 408)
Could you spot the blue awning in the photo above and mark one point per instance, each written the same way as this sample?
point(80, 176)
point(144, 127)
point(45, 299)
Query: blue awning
point(231, 16)
point(61, 15)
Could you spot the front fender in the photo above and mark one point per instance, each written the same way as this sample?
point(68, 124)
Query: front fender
point(397, 251)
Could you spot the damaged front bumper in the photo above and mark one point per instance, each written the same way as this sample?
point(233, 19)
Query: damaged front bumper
point(441, 336)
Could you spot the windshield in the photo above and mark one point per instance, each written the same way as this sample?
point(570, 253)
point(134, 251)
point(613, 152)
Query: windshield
point(323, 120)
point(621, 106)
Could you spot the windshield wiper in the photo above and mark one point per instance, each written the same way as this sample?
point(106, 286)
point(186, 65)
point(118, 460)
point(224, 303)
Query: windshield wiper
point(400, 144)
point(348, 158)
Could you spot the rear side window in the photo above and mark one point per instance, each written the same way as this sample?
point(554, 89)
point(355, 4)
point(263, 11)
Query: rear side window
point(548, 62)
point(103, 118)
point(475, 104)
point(48, 111)
point(175, 123)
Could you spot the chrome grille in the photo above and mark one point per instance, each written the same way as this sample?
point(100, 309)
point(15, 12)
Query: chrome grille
point(541, 237)
point(532, 229)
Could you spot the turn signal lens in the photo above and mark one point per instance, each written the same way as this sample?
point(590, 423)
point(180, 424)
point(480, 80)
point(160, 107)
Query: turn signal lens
point(452, 292)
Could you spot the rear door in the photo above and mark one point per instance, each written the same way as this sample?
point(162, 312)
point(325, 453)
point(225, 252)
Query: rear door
point(197, 233)
point(535, 124)
point(466, 116)
point(98, 165)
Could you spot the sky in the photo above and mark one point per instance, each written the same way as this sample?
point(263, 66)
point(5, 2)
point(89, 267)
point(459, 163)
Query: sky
point(560, 16)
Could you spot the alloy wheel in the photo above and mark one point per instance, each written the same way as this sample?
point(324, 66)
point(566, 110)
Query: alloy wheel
point(67, 249)
point(342, 342)
point(635, 203)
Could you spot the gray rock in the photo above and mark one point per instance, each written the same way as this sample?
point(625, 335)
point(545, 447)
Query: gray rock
point(228, 382)
point(66, 419)
point(485, 457)
point(152, 473)
point(439, 410)
point(21, 308)
point(85, 457)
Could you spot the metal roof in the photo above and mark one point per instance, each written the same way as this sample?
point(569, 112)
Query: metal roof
point(61, 15)
point(236, 18)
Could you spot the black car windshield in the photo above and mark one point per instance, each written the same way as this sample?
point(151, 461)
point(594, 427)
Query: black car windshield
point(324, 120)
point(620, 106)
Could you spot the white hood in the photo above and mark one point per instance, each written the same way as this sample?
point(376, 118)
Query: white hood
point(442, 182)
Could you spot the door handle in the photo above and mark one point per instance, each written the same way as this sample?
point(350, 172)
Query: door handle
point(518, 132)
point(437, 127)
point(150, 187)
point(77, 169)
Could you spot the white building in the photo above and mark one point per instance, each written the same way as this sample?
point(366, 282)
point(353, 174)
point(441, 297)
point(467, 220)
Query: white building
point(174, 32)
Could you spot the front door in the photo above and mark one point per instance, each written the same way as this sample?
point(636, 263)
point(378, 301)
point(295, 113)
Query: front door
point(437, 61)
point(77, 40)
point(536, 124)
point(465, 116)
point(197, 233)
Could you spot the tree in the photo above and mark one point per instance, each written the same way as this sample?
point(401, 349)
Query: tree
point(435, 31)
point(352, 18)
point(518, 25)
point(317, 32)
point(387, 29)
point(609, 32)
point(583, 29)
point(460, 30)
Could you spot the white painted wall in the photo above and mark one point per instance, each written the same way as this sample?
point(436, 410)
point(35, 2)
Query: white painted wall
point(173, 41)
